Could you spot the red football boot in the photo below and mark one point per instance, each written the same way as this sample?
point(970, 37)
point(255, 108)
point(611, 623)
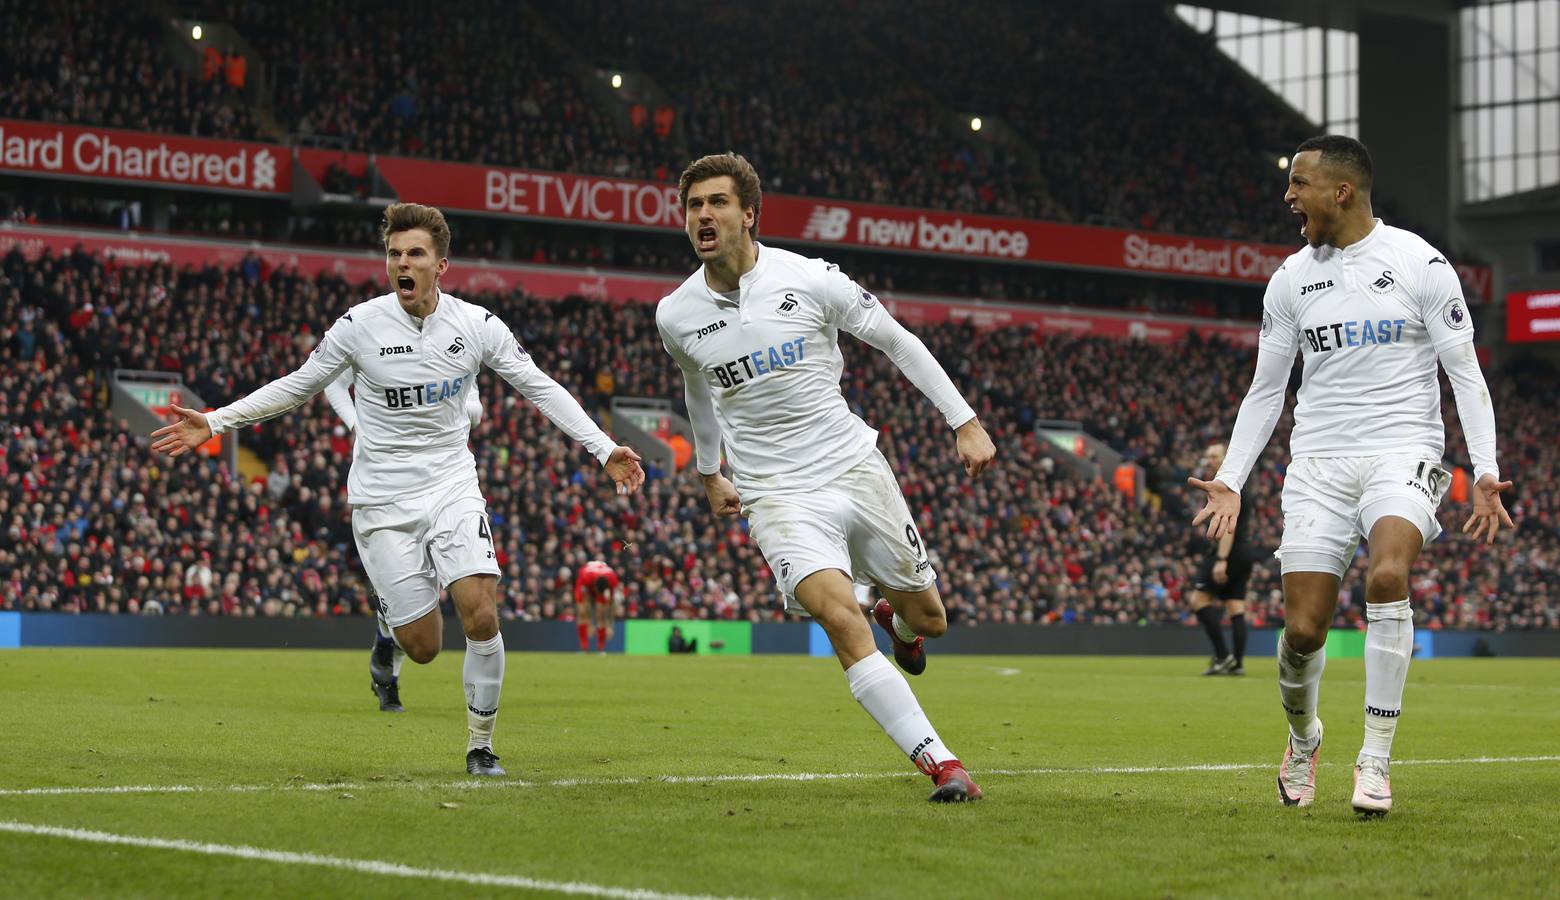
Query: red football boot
point(954, 785)
point(910, 655)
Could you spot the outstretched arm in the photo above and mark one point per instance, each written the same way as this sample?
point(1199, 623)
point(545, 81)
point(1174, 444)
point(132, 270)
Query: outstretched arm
point(859, 312)
point(329, 359)
point(1478, 420)
point(504, 355)
point(1258, 415)
point(1253, 426)
point(911, 356)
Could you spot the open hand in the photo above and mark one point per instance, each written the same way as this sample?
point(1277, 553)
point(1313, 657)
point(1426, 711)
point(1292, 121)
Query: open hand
point(1222, 511)
point(179, 438)
point(1488, 512)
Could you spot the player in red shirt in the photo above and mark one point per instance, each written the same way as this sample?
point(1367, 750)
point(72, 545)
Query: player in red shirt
point(595, 602)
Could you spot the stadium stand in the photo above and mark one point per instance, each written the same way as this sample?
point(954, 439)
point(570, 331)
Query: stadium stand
point(92, 63)
point(94, 522)
point(1193, 155)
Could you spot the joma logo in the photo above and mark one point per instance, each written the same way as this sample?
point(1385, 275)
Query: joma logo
point(395, 351)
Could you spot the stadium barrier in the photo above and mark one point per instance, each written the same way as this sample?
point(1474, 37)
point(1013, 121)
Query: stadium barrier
point(649, 637)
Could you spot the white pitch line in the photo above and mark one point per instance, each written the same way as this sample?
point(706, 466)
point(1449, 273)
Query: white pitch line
point(486, 785)
point(370, 866)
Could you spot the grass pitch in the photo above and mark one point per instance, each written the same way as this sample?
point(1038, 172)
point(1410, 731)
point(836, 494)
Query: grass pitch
point(753, 777)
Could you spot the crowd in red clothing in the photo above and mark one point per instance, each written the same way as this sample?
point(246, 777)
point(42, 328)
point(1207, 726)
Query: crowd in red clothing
point(1095, 115)
point(95, 522)
point(90, 63)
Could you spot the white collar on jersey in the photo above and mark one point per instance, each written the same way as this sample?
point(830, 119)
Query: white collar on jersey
point(420, 322)
point(761, 259)
point(1365, 243)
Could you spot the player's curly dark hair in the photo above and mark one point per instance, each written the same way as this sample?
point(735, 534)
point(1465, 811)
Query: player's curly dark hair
point(407, 216)
point(1344, 153)
point(743, 175)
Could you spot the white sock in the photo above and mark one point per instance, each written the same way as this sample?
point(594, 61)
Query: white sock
point(1389, 644)
point(902, 629)
point(386, 633)
point(1299, 682)
point(864, 597)
point(887, 698)
point(483, 673)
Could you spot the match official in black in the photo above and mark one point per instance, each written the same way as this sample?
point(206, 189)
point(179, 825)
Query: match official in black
point(1221, 584)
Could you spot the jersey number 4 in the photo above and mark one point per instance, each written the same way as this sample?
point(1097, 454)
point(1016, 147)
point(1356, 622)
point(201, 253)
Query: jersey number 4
point(482, 532)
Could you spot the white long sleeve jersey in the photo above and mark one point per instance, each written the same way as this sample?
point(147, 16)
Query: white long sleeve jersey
point(762, 372)
point(1371, 321)
point(412, 377)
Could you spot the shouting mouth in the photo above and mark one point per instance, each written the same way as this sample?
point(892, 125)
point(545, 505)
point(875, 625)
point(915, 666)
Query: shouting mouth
point(707, 240)
point(406, 285)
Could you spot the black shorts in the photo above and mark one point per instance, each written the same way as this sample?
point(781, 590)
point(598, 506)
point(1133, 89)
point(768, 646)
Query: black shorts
point(1234, 586)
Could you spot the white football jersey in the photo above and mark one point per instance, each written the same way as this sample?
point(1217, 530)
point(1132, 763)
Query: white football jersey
point(412, 377)
point(771, 360)
point(1370, 320)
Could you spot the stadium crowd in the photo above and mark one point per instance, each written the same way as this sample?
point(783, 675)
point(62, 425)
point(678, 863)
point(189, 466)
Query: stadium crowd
point(511, 85)
point(497, 89)
point(94, 522)
point(90, 63)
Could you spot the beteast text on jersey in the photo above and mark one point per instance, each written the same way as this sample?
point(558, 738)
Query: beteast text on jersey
point(423, 394)
point(759, 362)
point(1355, 334)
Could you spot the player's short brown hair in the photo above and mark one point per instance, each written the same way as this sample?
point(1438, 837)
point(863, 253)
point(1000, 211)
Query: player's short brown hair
point(749, 191)
point(407, 216)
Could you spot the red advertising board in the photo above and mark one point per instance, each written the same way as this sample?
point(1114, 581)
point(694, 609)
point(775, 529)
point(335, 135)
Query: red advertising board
point(586, 199)
point(878, 227)
point(557, 281)
point(643, 204)
point(109, 154)
point(1533, 316)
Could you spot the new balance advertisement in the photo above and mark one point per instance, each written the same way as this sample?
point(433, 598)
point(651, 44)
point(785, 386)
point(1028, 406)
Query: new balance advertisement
point(109, 154)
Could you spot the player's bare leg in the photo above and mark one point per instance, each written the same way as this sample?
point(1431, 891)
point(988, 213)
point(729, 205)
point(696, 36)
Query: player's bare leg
point(1389, 645)
point(828, 597)
point(422, 638)
point(476, 600)
point(909, 617)
point(1310, 598)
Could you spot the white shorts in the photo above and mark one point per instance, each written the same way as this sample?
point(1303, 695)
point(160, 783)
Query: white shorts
point(1331, 503)
point(857, 523)
point(412, 549)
